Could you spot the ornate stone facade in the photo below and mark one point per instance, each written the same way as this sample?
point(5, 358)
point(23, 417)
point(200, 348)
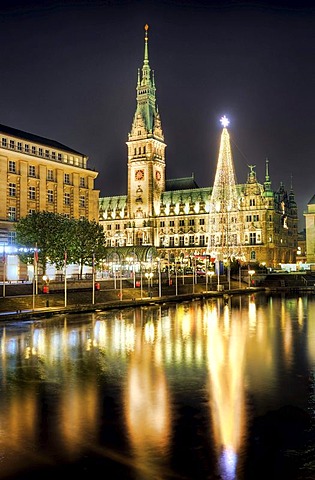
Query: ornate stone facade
point(174, 215)
point(38, 174)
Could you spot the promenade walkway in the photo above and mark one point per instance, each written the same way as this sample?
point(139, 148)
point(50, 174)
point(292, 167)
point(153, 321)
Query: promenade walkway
point(17, 308)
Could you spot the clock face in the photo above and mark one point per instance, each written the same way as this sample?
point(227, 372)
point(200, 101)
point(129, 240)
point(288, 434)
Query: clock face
point(139, 175)
point(158, 175)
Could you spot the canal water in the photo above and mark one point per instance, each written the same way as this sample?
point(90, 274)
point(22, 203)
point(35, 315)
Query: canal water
point(216, 389)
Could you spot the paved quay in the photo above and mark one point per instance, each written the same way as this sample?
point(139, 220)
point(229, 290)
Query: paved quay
point(20, 308)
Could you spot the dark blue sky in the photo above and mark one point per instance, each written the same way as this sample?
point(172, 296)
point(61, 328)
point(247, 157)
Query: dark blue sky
point(69, 71)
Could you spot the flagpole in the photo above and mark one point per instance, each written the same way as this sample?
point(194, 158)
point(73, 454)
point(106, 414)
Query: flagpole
point(93, 279)
point(34, 276)
point(36, 270)
point(4, 268)
point(65, 264)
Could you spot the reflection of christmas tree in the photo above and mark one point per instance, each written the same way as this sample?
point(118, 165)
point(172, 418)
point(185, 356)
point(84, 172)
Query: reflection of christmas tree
point(224, 215)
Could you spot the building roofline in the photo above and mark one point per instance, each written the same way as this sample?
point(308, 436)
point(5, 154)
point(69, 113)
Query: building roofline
point(14, 132)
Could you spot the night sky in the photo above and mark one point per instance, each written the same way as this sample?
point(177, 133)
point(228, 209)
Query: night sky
point(69, 73)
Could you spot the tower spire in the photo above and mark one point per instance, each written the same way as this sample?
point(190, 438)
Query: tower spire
point(267, 183)
point(146, 150)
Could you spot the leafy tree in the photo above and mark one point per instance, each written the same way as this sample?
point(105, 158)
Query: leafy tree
point(44, 232)
point(89, 243)
point(54, 234)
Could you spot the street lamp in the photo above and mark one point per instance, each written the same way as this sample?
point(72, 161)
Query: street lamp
point(149, 276)
point(250, 274)
point(209, 274)
point(159, 273)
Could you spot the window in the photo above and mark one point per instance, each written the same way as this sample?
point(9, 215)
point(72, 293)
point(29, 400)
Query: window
point(82, 182)
point(162, 223)
point(191, 222)
point(12, 166)
point(33, 150)
point(53, 155)
point(256, 218)
point(252, 202)
point(12, 214)
point(32, 193)
point(117, 226)
point(181, 241)
point(182, 223)
point(19, 146)
point(248, 218)
point(40, 152)
point(109, 227)
point(12, 189)
point(67, 198)
point(202, 240)
point(67, 178)
point(31, 170)
point(172, 223)
point(47, 153)
point(201, 221)
point(50, 196)
point(12, 144)
point(59, 157)
point(12, 238)
point(253, 255)
point(4, 142)
point(50, 175)
point(171, 241)
point(252, 238)
point(191, 239)
point(31, 211)
point(27, 148)
point(82, 201)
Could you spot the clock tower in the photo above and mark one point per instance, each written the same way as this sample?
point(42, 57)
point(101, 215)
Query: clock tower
point(146, 155)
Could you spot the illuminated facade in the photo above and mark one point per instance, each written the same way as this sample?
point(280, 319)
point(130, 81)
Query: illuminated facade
point(310, 230)
point(38, 174)
point(175, 215)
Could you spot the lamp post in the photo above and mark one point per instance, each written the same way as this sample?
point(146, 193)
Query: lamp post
point(218, 273)
point(141, 281)
point(65, 283)
point(149, 276)
point(176, 281)
point(120, 283)
point(250, 275)
point(4, 270)
point(209, 274)
point(159, 273)
point(93, 279)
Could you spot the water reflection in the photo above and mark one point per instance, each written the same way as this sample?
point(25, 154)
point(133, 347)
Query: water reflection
point(161, 392)
point(226, 355)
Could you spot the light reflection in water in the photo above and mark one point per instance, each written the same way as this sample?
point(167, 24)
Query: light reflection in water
point(226, 354)
point(147, 404)
point(57, 374)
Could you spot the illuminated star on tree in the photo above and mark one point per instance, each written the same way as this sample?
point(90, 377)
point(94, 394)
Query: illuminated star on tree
point(224, 121)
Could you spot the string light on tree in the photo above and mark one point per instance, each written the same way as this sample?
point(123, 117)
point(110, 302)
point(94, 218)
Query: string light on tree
point(224, 239)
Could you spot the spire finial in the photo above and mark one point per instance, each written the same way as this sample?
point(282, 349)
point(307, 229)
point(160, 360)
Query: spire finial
point(146, 52)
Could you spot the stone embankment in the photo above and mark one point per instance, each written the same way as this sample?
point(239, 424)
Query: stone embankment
point(20, 303)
